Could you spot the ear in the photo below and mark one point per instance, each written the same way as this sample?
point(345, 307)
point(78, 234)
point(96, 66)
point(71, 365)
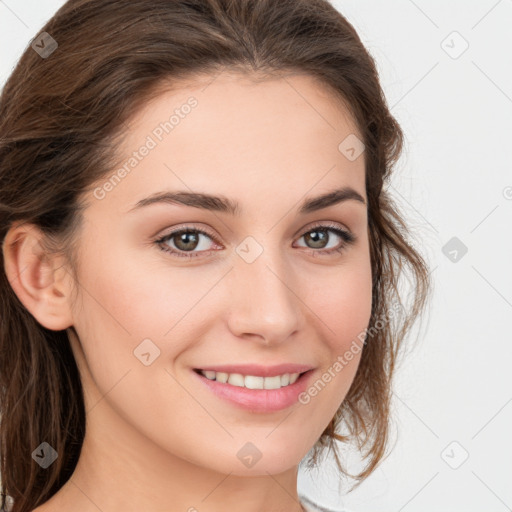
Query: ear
point(41, 281)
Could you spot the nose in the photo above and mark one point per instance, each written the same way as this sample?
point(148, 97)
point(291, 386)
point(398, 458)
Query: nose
point(264, 299)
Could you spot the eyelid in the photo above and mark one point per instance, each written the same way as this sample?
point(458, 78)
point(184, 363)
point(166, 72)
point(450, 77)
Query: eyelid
point(188, 227)
point(210, 233)
point(324, 223)
point(349, 238)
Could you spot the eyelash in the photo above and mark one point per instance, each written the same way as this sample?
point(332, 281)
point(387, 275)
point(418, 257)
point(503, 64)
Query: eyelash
point(347, 237)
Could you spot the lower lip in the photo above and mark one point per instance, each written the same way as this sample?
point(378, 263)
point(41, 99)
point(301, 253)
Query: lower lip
point(258, 400)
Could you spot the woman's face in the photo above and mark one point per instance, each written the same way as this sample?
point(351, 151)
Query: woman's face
point(259, 288)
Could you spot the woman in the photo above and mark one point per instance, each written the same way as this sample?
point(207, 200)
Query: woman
point(142, 374)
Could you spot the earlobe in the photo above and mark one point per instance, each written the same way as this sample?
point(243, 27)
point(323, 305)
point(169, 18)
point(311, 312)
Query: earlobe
point(40, 280)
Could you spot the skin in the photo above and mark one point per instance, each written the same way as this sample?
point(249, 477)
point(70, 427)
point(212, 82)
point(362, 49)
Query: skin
point(156, 440)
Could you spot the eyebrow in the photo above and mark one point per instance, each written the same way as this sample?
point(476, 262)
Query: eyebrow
point(225, 205)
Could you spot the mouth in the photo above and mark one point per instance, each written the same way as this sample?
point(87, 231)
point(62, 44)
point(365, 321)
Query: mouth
point(250, 381)
point(255, 393)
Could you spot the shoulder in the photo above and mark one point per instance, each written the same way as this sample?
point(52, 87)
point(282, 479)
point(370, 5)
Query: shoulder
point(311, 506)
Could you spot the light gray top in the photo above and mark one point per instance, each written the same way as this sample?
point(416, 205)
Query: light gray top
point(308, 505)
point(311, 506)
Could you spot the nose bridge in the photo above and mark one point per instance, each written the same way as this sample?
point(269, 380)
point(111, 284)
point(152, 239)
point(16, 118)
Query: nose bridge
point(263, 298)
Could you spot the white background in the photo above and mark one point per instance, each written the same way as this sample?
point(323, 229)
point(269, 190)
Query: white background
point(452, 181)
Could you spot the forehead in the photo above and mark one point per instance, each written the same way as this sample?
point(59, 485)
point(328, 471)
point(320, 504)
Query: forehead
point(236, 100)
point(239, 137)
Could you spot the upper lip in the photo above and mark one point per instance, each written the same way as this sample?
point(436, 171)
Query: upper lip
point(259, 370)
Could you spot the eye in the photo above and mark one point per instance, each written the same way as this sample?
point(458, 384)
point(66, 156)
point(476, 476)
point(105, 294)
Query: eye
point(319, 236)
point(186, 240)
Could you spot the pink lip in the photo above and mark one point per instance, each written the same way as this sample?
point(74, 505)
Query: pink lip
point(259, 370)
point(258, 400)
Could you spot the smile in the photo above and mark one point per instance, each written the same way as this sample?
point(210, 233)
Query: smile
point(252, 381)
point(235, 389)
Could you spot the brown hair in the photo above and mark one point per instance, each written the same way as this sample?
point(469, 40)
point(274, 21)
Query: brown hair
point(59, 118)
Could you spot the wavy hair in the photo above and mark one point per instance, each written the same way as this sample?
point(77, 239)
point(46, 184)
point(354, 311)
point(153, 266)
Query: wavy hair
point(60, 117)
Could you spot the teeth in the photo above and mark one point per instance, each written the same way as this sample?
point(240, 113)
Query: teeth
point(252, 381)
point(235, 379)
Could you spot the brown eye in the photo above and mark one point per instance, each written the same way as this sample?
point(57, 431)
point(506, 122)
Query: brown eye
point(185, 241)
point(190, 242)
point(318, 238)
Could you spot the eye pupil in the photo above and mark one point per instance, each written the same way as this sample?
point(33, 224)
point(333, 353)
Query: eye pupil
point(313, 236)
point(184, 238)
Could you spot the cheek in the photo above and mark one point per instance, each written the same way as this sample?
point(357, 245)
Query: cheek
point(126, 301)
point(343, 304)
point(123, 305)
point(343, 310)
